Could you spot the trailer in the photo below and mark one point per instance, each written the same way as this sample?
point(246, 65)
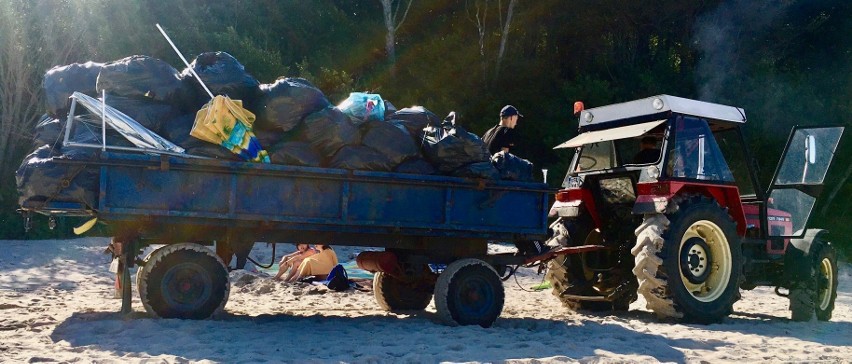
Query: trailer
point(435, 229)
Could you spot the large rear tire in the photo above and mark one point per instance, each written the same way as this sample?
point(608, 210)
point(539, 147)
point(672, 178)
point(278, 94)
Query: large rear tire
point(469, 292)
point(564, 271)
point(185, 280)
point(689, 264)
point(816, 293)
point(394, 294)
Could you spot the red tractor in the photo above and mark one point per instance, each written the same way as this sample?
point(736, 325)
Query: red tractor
point(665, 190)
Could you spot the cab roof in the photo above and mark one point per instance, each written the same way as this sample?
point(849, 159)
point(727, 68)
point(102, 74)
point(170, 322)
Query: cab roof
point(657, 107)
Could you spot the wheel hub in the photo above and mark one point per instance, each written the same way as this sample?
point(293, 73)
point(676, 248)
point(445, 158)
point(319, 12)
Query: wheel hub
point(695, 260)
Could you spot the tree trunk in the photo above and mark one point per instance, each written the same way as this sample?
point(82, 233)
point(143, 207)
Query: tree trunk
point(392, 25)
point(504, 37)
point(478, 18)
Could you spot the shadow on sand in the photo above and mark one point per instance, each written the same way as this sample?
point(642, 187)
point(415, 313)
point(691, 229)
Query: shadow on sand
point(415, 336)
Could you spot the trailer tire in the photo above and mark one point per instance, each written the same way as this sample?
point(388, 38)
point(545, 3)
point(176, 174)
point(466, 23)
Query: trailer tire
point(140, 272)
point(816, 293)
point(469, 292)
point(394, 294)
point(185, 280)
point(668, 256)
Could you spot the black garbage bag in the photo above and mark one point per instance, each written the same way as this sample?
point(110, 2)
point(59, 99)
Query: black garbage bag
point(416, 166)
point(449, 147)
point(328, 130)
point(483, 170)
point(390, 140)
point(142, 77)
point(294, 154)
point(285, 103)
point(415, 119)
point(40, 179)
point(358, 157)
point(150, 114)
point(223, 75)
point(389, 109)
point(512, 167)
point(177, 131)
point(61, 81)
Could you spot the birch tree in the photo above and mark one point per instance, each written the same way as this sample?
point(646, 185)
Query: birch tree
point(504, 34)
point(391, 10)
point(478, 16)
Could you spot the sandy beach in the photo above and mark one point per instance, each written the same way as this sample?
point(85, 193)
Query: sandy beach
point(57, 305)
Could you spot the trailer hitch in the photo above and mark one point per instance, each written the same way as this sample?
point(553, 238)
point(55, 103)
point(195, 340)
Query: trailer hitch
point(563, 251)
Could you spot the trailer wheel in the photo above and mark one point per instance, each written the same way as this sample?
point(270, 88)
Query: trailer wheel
point(469, 292)
point(394, 294)
point(691, 269)
point(817, 292)
point(185, 281)
point(140, 272)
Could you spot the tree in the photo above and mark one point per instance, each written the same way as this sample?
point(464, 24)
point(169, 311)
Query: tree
point(392, 24)
point(29, 45)
point(504, 35)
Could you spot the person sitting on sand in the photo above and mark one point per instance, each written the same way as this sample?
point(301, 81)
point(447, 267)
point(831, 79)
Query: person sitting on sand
point(318, 265)
point(292, 261)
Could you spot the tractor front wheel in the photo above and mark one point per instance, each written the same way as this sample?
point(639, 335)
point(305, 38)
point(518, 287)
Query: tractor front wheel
point(816, 293)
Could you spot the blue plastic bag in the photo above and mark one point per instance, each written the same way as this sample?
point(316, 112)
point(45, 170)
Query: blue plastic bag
point(363, 107)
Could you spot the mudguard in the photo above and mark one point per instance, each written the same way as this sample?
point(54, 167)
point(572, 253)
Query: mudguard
point(798, 257)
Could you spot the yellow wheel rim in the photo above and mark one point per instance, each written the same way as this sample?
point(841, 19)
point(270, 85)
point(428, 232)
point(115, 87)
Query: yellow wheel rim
point(824, 294)
point(720, 269)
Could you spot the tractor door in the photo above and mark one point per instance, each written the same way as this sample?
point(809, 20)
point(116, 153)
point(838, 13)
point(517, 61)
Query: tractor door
point(799, 179)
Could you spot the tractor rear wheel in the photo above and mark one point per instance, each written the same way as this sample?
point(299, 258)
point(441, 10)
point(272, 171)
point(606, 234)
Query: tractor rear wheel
point(689, 263)
point(563, 272)
point(816, 293)
point(185, 281)
point(393, 293)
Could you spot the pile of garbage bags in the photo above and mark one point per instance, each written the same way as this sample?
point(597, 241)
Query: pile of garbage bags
point(295, 123)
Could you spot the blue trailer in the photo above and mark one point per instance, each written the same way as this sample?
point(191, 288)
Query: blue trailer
point(422, 221)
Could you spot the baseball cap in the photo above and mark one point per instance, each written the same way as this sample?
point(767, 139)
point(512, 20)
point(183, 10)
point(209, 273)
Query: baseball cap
point(509, 110)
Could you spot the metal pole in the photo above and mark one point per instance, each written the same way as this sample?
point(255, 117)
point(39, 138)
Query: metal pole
point(103, 120)
point(184, 60)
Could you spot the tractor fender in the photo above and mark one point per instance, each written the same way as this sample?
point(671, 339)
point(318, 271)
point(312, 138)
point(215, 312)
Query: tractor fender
point(657, 198)
point(797, 258)
point(573, 203)
point(804, 243)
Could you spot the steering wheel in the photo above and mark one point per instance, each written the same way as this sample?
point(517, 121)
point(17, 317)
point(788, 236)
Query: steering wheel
point(587, 162)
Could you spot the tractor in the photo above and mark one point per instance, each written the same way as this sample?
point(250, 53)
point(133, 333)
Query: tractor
point(663, 192)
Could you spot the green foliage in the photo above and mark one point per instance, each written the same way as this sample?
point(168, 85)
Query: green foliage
point(786, 63)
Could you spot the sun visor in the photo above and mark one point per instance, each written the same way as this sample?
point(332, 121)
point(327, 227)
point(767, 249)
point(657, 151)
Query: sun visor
point(623, 132)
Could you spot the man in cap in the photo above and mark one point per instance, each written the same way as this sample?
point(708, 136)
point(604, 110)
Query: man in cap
point(503, 135)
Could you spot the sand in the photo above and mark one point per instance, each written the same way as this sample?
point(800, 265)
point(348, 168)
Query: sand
point(56, 305)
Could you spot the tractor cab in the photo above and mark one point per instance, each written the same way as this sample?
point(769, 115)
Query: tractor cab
point(627, 152)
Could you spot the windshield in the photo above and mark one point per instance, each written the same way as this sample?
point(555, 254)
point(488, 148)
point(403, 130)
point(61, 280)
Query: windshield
point(640, 150)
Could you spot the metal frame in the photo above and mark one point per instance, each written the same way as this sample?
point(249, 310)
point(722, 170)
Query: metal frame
point(66, 142)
